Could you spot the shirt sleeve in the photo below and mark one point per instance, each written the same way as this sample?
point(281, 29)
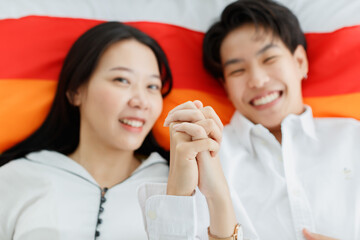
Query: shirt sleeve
point(7, 200)
point(173, 217)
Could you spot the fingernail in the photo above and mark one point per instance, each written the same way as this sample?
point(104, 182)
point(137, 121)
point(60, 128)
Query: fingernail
point(166, 124)
point(198, 103)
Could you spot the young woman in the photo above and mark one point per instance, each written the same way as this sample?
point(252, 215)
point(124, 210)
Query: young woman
point(76, 176)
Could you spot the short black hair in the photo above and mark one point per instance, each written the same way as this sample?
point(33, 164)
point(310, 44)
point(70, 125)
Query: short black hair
point(266, 14)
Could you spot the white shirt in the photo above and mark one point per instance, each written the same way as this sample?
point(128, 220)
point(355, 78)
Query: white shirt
point(310, 181)
point(48, 196)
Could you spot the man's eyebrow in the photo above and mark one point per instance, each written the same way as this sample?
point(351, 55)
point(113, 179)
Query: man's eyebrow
point(232, 61)
point(262, 50)
point(265, 48)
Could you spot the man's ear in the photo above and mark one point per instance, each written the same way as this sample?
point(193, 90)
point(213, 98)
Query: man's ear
point(74, 97)
point(302, 60)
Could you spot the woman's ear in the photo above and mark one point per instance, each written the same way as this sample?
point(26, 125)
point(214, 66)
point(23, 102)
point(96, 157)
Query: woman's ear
point(301, 59)
point(73, 97)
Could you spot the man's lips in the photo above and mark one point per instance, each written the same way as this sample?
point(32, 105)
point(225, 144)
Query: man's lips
point(266, 98)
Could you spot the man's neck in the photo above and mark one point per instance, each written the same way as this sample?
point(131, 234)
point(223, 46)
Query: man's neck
point(277, 134)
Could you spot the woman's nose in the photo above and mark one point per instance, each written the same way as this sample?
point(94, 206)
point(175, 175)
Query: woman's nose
point(138, 98)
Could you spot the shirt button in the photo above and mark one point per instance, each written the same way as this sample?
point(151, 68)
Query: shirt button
point(99, 221)
point(257, 131)
point(152, 215)
point(296, 193)
point(101, 209)
point(97, 234)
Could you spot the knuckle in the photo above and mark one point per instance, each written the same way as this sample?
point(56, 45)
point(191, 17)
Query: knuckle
point(211, 123)
point(199, 115)
point(208, 110)
point(213, 143)
point(198, 130)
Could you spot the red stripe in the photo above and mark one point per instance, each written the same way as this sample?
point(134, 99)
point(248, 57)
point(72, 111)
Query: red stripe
point(184, 51)
point(34, 47)
point(334, 63)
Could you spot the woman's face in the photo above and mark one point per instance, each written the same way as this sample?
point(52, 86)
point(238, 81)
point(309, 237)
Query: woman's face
point(122, 99)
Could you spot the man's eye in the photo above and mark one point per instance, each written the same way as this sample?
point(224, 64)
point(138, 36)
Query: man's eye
point(270, 59)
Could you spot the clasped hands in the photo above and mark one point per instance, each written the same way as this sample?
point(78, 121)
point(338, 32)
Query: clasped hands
point(195, 136)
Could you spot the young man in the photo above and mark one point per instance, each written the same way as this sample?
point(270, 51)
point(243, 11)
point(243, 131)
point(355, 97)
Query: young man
point(290, 176)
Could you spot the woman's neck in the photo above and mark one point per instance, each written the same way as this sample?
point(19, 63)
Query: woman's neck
point(107, 166)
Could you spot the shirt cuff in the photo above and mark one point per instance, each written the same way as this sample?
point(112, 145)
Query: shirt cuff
point(170, 217)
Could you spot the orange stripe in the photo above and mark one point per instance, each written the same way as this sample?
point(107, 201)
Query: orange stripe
point(335, 106)
point(25, 110)
point(24, 106)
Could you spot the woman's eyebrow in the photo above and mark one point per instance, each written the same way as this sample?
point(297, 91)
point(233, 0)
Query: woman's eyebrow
point(119, 68)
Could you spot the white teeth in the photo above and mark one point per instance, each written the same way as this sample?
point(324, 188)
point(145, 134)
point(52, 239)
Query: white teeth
point(266, 99)
point(132, 123)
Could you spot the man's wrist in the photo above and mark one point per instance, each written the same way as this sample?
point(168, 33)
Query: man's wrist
point(237, 235)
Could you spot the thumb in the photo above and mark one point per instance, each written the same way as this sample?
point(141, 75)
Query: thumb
point(308, 235)
point(314, 236)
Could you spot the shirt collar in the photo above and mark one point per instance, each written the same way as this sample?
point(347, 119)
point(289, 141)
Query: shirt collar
point(243, 127)
point(60, 161)
point(63, 162)
point(305, 121)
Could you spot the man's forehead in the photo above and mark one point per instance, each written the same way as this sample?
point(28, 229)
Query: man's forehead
point(248, 35)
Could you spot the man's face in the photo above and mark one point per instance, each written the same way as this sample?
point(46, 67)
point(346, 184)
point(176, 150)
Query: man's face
point(262, 77)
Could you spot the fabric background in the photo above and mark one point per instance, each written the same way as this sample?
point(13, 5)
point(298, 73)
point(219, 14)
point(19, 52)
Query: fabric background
point(36, 35)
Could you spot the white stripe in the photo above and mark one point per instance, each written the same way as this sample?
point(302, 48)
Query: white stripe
point(192, 14)
point(314, 15)
point(325, 15)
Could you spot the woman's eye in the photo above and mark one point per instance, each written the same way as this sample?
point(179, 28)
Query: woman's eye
point(122, 80)
point(154, 87)
point(237, 72)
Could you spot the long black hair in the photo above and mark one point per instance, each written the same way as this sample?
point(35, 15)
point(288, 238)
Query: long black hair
point(61, 129)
